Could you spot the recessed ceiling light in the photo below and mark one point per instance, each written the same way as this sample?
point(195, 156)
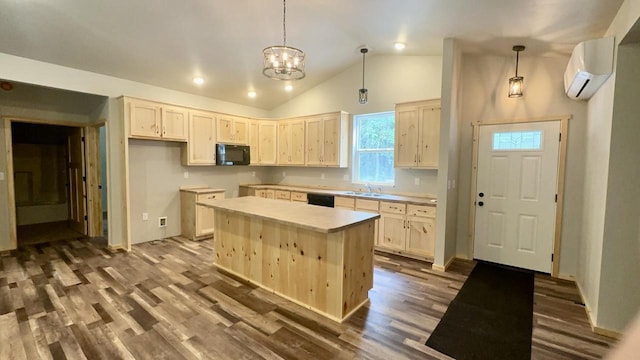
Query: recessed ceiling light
point(251, 94)
point(399, 45)
point(198, 80)
point(288, 87)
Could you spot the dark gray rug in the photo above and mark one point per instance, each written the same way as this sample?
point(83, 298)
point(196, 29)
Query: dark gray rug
point(490, 318)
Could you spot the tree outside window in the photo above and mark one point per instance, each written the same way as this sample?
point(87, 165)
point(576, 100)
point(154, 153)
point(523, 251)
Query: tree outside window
point(374, 136)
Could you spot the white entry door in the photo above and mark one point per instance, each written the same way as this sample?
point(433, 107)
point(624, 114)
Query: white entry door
point(516, 194)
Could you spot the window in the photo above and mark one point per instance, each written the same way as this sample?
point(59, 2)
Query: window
point(517, 140)
point(374, 136)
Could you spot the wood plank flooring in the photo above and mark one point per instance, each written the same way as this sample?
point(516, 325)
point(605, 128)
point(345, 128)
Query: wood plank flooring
point(164, 300)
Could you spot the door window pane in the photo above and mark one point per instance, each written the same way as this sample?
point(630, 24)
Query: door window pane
point(517, 140)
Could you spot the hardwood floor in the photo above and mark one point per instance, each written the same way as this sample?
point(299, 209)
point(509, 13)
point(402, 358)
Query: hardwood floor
point(76, 300)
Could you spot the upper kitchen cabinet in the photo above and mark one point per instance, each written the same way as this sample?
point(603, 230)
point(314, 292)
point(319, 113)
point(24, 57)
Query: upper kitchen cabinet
point(417, 134)
point(233, 129)
point(201, 147)
point(150, 120)
point(262, 140)
point(327, 140)
point(291, 142)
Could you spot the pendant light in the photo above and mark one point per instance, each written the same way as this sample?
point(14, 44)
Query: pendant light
point(362, 93)
point(515, 83)
point(282, 62)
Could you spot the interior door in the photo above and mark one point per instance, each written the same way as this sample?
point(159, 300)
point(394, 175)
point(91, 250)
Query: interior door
point(516, 194)
point(77, 184)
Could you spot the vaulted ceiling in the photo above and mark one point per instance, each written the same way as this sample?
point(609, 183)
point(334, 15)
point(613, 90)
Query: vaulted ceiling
point(168, 43)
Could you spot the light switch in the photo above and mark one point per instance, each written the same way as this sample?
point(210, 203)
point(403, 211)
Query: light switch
point(253, 173)
point(453, 183)
point(1, 176)
point(186, 174)
point(322, 176)
point(345, 177)
point(448, 184)
point(416, 181)
point(284, 174)
point(145, 216)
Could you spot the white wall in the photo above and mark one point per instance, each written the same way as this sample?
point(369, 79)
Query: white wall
point(485, 83)
point(447, 215)
point(158, 174)
point(605, 260)
point(390, 80)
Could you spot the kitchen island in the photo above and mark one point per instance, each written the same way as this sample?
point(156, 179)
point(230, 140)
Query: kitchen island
point(318, 257)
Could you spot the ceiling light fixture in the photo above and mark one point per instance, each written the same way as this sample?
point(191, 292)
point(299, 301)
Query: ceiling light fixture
point(198, 80)
point(363, 93)
point(399, 45)
point(282, 62)
point(288, 87)
point(516, 82)
point(251, 94)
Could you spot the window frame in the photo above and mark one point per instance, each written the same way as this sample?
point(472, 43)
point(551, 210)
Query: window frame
point(355, 174)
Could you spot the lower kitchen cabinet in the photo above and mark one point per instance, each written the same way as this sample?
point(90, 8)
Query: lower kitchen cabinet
point(344, 202)
point(407, 229)
point(197, 220)
point(283, 195)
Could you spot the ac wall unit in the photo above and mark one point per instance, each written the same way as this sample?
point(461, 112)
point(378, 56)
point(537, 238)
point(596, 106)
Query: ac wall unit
point(590, 66)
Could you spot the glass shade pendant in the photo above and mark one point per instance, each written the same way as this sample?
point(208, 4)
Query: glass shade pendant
point(282, 62)
point(363, 93)
point(516, 82)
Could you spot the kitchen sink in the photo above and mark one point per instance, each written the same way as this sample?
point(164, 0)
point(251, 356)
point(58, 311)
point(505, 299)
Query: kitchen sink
point(361, 193)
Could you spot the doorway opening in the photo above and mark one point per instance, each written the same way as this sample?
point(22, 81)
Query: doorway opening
point(56, 190)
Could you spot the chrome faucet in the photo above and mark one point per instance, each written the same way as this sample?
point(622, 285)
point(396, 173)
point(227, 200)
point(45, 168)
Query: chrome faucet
point(368, 187)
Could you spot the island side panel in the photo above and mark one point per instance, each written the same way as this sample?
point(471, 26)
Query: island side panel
point(358, 266)
point(305, 270)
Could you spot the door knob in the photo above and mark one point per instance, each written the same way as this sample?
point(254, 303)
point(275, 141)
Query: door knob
point(480, 203)
point(481, 194)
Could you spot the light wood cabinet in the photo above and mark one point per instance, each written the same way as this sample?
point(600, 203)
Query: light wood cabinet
point(291, 142)
point(298, 196)
point(326, 140)
point(344, 202)
point(150, 120)
point(201, 146)
point(407, 229)
point(266, 193)
point(233, 129)
point(196, 220)
point(370, 206)
point(283, 195)
point(417, 134)
point(262, 140)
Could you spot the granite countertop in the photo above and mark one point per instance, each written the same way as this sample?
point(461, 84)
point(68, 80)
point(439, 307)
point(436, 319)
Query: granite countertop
point(316, 218)
point(203, 190)
point(418, 200)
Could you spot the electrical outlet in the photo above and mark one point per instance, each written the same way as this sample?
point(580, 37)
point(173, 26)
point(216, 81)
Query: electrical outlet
point(145, 216)
point(186, 174)
point(253, 173)
point(416, 181)
point(284, 174)
point(162, 221)
point(453, 183)
point(345, 177)
point(322, 176)
point(1, 176)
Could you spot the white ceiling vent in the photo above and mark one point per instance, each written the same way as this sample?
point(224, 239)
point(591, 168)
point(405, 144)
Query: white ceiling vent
point(590, 66)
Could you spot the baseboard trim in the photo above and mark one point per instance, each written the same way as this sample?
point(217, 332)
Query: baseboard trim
point(443, 268)
point(597, 330)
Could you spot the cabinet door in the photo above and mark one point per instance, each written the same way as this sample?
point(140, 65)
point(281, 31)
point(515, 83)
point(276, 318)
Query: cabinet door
point(297, 142)
point(205, 215)
point(267, 142)
point(283, 195)
point(270, 194)
point(225, 128)
point(407, 134)
point(313, 141)
point(254, 141)
point(144, 119)
point(241, 131)
point(392, 231)
point(202, 140)
point(284, 142)
point(174, 123)
point(331, 140)
point(421, 235)
point(430, 137)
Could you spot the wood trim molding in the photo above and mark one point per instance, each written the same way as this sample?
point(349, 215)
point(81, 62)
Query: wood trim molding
point(13, 230)
point(562, 160)
point(597, 330)
point(445, 267)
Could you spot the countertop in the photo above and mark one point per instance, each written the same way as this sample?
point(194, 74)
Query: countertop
point(316, 218)
point(418, 200)
point(203, 190)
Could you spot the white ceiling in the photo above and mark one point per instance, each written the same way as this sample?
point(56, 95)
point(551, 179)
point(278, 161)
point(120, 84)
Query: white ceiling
point(167, 43)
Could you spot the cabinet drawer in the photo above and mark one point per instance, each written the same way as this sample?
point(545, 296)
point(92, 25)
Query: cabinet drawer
point(365, 204)
point(298, 196)
point(211, 196)
point(421, 210)
point(344, 202)
point(392, 207)
point(283, 195)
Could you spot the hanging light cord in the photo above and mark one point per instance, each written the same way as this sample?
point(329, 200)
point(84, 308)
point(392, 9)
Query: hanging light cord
point(517, 61)
point(284, 21)
point(363, 53)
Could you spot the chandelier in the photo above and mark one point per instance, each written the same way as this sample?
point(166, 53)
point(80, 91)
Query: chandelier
point(282, 62)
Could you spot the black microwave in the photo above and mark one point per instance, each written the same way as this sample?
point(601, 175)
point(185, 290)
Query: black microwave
point(227, 154)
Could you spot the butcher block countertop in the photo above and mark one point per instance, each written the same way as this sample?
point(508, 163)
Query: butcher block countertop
point(316, 218)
